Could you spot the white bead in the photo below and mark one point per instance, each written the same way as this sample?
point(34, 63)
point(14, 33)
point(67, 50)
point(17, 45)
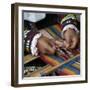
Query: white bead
point(28, 41)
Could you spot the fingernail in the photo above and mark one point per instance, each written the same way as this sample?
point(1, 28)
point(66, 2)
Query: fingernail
point(54, 47)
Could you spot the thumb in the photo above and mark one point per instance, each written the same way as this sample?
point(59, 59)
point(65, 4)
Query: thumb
point(50, 50)
point(67, 41)
point(74, 43)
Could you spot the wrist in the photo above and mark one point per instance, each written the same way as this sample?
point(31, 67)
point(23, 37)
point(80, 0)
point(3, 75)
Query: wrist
point(34, 49)
point(69, 27)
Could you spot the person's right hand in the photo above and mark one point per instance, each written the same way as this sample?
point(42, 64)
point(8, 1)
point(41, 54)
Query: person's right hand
point(71, 38)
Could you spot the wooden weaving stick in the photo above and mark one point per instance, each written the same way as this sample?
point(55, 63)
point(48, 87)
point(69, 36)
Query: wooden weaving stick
point(61, 64)
point(48, 68)
point(29, 58)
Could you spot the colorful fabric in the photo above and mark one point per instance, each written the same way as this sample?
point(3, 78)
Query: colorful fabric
point(30, 31)
point(70, 21)
point(70, 68)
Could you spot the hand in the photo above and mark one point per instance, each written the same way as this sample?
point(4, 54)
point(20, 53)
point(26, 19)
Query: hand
point(46, 45)
point(71, 38)
point(59, 43)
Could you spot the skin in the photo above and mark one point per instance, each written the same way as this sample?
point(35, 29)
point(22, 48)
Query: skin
point(71, 38)
point(49, 46)
point(46, 46)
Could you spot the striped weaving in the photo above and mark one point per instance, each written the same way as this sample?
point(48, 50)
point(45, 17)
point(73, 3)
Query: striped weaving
point(70, 68)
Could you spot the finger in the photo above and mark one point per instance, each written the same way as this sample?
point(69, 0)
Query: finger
point(66, 45)
point(52, 44)
point(68, 39)
point(74, 43)
point(59, 43)
point(50, 50)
